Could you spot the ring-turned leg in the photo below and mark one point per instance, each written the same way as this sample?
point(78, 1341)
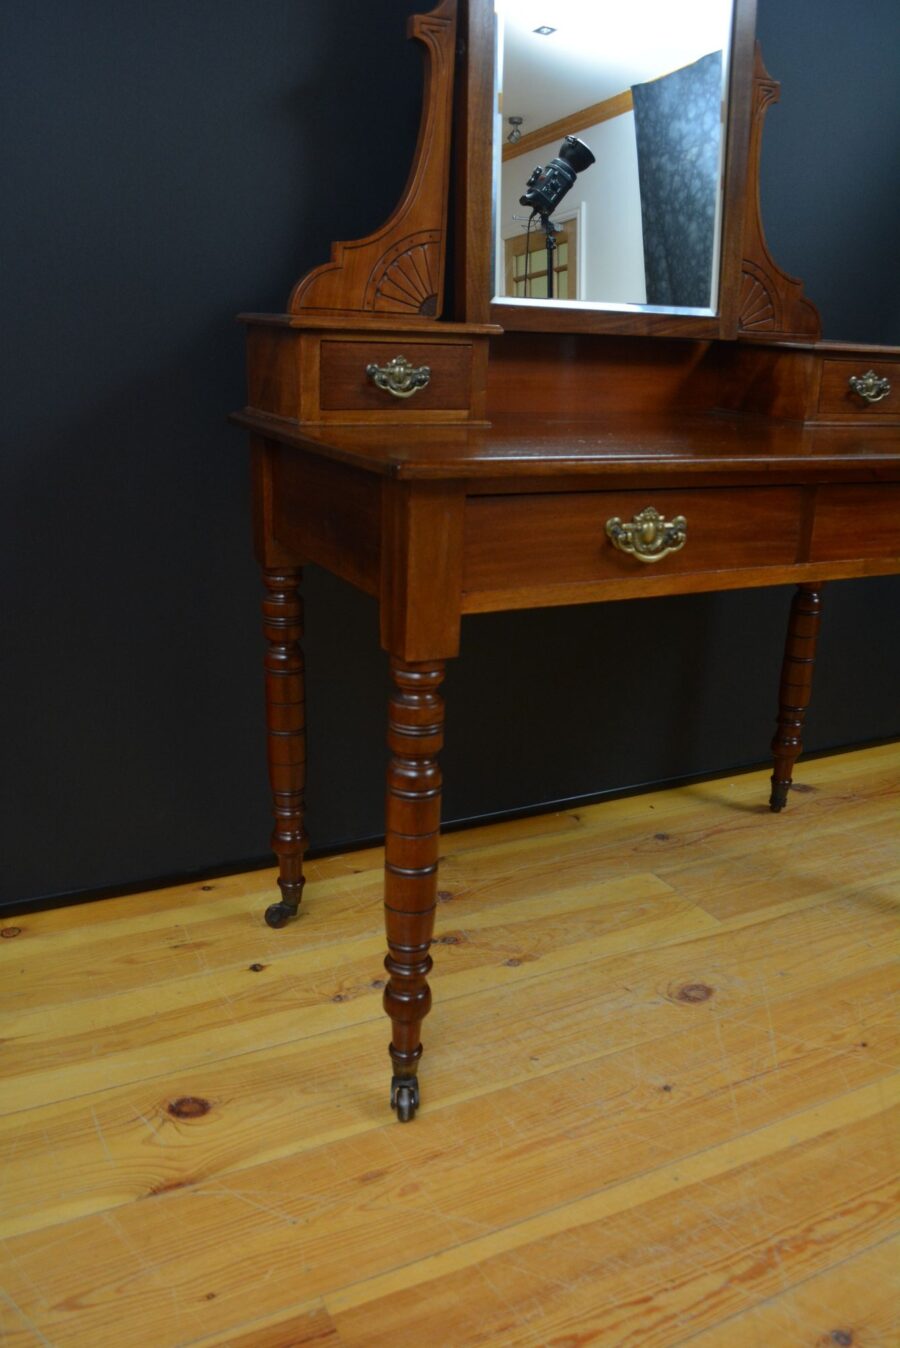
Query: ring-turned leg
point(415, 736)
point(286, 720)
point(796, 688)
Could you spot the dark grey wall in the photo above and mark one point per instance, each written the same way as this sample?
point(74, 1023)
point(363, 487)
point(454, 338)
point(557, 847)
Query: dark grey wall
point(168, 165)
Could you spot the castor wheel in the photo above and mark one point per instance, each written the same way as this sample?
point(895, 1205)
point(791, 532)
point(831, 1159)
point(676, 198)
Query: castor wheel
point(278, 914)
point(405, 1097)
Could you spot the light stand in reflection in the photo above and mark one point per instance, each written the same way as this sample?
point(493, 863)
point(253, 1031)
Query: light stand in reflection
point(546, 188)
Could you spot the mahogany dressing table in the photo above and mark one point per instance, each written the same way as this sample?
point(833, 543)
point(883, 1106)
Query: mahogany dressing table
point(436, 463)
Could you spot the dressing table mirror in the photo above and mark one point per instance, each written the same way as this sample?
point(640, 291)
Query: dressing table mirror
point(637, 223)
point(448, 448)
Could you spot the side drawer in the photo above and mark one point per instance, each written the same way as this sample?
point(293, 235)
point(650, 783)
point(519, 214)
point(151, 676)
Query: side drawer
point(560, 539)
point(345, 385)
point(838, 401)
point(856, 521)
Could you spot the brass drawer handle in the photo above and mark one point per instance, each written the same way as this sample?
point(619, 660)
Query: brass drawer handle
point(399, 377)
point(870, 386)
point(649, 537)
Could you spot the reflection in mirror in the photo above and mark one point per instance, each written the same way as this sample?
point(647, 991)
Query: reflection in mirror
point(631, 218)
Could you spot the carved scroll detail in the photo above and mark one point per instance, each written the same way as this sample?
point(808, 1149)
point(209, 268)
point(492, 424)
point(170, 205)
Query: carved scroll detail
point(400, 268)
point(772, 303)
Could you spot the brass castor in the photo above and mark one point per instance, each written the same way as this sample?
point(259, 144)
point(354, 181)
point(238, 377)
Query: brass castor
point(405, 1097)
point(279, 914)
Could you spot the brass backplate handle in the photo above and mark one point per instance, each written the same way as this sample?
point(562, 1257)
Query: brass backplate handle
point(399, 377)
point(648, 537)
point(870, 386)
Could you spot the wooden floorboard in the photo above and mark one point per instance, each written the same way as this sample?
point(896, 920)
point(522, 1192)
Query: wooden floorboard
point(660, 1093)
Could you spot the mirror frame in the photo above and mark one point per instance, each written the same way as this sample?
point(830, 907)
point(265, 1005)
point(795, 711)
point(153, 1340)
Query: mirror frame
point(475, 200)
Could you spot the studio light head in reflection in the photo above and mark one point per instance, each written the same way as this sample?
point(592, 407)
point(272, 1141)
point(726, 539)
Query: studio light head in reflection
point(546, 188)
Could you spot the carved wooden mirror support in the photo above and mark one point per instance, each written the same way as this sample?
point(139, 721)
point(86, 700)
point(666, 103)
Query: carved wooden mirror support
point(400, 268)
point(362, 338)
point(772, 304)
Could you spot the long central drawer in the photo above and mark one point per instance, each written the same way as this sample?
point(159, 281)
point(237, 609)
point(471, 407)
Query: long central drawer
point(561, 538)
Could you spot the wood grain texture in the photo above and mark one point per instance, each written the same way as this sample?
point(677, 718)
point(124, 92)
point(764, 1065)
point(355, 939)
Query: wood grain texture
point(316, 373)
point(412, 843)
point(421, 569)
point(838, 402)
point(286, 726)
point(679, 1129)
point(843, 517)
point(658, 446)
point(560, 539)
point(345, 384)
point(795, 689)
point(327, 512)
point(852, 1303)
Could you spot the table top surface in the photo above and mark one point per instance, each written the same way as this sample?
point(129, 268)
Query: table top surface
point(731, 446)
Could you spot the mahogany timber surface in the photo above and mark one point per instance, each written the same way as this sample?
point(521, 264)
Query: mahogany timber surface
point(720, 448)
point(678, 1126)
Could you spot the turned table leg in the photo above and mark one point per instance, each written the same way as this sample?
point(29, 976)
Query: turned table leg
point(415, 736)
point(285, 716)
point(796, 687)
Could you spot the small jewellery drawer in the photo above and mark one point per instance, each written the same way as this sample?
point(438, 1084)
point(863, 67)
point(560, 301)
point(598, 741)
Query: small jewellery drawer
point(856, 521)
point(567, 538)
point(865, 387)
point(399, 377)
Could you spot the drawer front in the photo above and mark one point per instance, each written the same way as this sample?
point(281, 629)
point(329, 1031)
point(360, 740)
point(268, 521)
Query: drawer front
point(561, 539)
point(345, 385)
point(856, 522)
point(838, 401)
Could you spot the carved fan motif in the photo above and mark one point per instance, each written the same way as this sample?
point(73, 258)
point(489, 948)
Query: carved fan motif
point(405, 279)
point(757, 306)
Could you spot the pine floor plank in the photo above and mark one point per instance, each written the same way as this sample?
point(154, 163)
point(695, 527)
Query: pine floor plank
point(118, 1146)
point(140, 947)
point(15, 1327)
point(719, 1244)
point(218, 940)
point(658, 1095)
point(60, 1053)
point(370, 1210)
point(305, 1327)
point(179, 899)
point(139, 951)
point(855, 1304)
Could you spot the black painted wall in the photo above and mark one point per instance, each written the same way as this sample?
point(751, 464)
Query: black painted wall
point(168, 165)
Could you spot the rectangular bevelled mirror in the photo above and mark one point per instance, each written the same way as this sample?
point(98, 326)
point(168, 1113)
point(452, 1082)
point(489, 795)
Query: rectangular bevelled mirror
point(609, 153)
point(616, 163)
